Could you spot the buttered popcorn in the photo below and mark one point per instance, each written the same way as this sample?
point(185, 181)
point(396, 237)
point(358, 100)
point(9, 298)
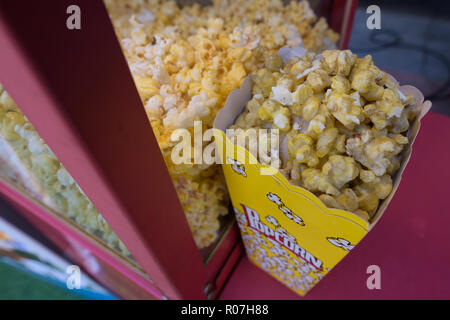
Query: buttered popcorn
point(186, 60)
point(343, 124)
point(58, 190)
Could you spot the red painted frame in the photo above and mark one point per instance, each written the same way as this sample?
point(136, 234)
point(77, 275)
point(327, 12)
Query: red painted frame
point(76, 89)
point(341, 19)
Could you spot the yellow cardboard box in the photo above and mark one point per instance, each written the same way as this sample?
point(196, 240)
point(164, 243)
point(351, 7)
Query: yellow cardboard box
point(287, 231)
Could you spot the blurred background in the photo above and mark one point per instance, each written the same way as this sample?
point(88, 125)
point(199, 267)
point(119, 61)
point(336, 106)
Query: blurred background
point(413, 45)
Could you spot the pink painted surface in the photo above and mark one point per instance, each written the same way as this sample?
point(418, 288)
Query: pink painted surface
point(411, 242)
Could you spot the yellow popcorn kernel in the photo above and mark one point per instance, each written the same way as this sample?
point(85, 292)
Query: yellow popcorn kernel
point(302, 93)
point(394, 165)
point(237, 73)
point(241, 121)
point(7, 101)
point(339, 146)
point(383, 186)
point(311, 108)
point(364, 63)
point(348, 200)
point(391, 104)
point(363, 81)
point(253, 105)
point(375, 93)
point(366, 176)
point(268, 108)
point(9, 123)
point(154, 107)
point(306, 154)
point(329, 60)
point(299, 68)
point(338, 62)
point(297, 109)
point(296, 172)
point(315, 180)
point(377, 117)
point(340, 84)
point(264, 80)
point(345, 110)
point(318, 80)
point(282, 119)
point(374, 153)
point(340, 170)
point(252, 120)
point(326, 141)
point(400, 124)
point(295, 141)
point(367, 199)
point(399, 138)
point(330, 201)
point(317, 125)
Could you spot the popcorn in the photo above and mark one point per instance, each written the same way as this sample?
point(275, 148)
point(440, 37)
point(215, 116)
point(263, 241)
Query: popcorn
point(282, 95)
point(57, 189)
point(347, 123)
point(201, 54)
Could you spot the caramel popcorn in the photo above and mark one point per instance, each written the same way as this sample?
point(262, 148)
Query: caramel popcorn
point(343, 129)
point(186, 60)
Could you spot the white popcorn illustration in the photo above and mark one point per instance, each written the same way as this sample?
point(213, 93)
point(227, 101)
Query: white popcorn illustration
point(341, 243)
point(237, 166)
point(298, 220)
point(272, 220)
point(283, 208)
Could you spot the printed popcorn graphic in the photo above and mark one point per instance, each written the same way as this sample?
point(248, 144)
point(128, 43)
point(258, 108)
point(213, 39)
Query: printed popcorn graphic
point(237, 166)
point(341, 243)
point(275, 250)
point(272, 220)
point(274, 245)
point(278, 260)
point(287, 212)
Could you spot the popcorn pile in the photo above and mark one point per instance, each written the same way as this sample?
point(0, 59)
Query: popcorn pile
point(342, 121)
point(185, 61)
point(58, 190)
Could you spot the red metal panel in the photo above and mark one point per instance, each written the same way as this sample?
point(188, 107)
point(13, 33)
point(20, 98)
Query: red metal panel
point(75, 88)
point(341, 19)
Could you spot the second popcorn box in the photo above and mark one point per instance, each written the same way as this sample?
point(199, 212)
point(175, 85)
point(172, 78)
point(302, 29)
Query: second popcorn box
point(338, 134)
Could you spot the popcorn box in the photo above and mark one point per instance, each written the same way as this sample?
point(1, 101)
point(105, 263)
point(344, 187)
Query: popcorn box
point(287, 231)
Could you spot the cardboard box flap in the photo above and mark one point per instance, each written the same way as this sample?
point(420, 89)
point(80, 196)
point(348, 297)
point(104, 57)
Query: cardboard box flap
point(235, 104)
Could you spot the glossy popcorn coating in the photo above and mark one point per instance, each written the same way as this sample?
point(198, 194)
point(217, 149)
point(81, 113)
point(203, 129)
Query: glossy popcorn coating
point(185, 60)
point(343, 125)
